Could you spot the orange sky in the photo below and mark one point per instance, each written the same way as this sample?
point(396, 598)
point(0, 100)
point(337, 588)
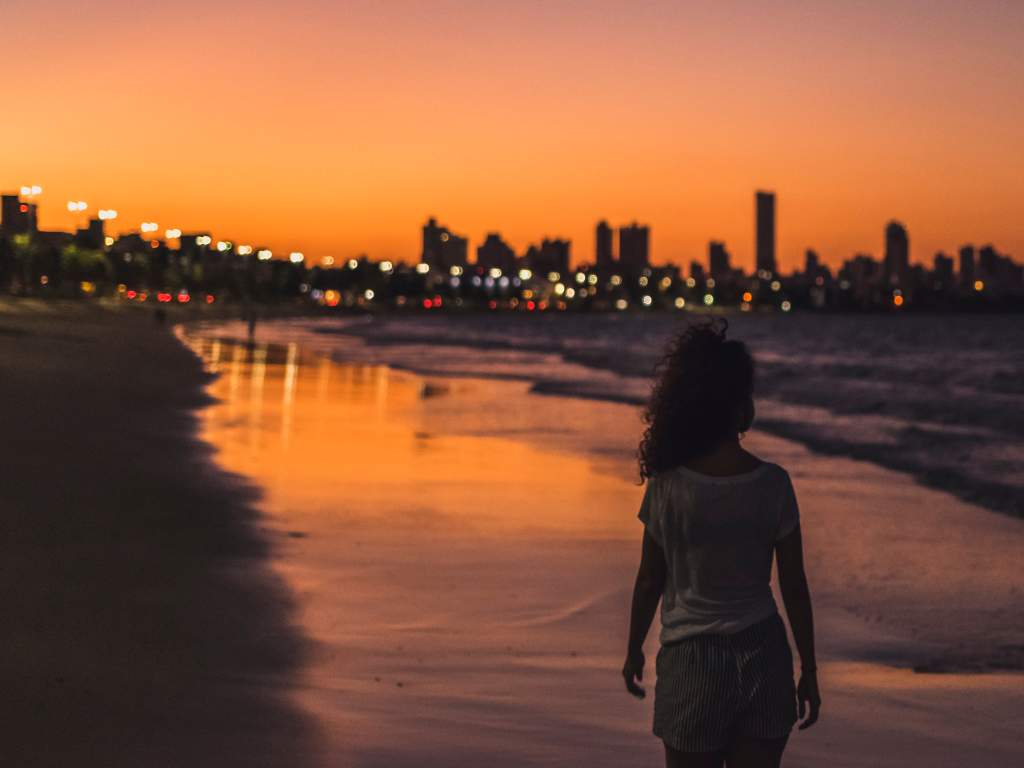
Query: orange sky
point(336, 128)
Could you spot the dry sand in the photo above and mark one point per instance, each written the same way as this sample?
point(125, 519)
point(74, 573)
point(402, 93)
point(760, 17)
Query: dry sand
point(142, 626)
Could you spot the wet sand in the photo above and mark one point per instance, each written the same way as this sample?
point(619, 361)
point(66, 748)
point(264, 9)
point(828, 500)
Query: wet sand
point(142, 624)
point(461, 552)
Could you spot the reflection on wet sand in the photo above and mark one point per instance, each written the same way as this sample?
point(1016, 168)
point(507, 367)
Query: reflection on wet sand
point(458, 577)
point(376, 442)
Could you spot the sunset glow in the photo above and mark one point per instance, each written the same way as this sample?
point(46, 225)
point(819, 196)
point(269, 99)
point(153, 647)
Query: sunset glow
point(336, 129)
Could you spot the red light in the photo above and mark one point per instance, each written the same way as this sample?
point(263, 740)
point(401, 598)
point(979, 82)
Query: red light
point(154, 243)
point(531, 306)
point(130, 294)
point(492, 304)
point(543, 305)
point(184, 298)
point(210, 298)
point(163, 298)
point(143, 296)
point(427, 303)
point(437, 301)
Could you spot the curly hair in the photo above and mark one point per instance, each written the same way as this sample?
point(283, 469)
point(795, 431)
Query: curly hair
point(702, 382)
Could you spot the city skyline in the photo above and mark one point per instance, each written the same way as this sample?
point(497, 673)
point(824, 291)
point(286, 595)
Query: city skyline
point(541, 120)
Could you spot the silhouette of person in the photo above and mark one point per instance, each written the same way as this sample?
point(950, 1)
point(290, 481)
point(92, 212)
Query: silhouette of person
point(714, 515)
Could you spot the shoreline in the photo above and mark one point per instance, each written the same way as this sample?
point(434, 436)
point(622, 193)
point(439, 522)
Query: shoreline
point(488, 643)
point(146, 625)
point(1000, 498)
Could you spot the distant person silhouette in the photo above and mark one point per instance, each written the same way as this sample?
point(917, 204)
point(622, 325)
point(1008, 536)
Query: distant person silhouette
point(714, 514)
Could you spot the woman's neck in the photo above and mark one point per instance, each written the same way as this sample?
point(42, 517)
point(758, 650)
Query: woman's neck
point(726, 458)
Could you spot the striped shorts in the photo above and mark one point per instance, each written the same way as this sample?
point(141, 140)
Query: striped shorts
point(715, 689)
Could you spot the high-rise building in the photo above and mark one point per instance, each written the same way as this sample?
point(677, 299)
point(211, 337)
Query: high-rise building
point(943, 271)
point(442, 248)
point(897, 253)
point(495, 253)
point(603, 256)
point(718, 258)
point(634, 244)
point(765, 214)
point(551, 256)
point(967, 266)
point(17, 217)
point(811, 263)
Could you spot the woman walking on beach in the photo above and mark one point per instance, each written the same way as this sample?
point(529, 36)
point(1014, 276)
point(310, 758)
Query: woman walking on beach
point(713, 516)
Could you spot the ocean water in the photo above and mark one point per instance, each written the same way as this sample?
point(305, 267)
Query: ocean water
point(938, 397)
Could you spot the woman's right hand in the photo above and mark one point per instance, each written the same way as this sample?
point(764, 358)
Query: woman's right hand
point(809, 698)
point(632, 671)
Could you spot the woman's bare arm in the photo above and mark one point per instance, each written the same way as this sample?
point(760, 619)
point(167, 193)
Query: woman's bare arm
point(650, 581)
point(789, 556)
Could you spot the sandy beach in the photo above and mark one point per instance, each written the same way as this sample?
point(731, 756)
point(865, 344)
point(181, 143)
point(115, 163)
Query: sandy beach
point(301, 561)
point(143, 624)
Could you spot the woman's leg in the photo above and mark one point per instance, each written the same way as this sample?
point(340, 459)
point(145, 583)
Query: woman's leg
point(676, 759)
point(756, 753)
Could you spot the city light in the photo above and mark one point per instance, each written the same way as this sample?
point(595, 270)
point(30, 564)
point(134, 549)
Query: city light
point(621, 304)
point(264, 254)
point(581, 278)
point(31, 191)
point(786, 306)
point(554, 277)
point(422, 268)
point(327, 261)
point(646, 300)
point(106, 214)
point(172, 234)
point(148, 226)
point(616, 280)
point(77, 205)
point(494, 273)
point(680, 302)
point(296, 257)
point(525, 274)
point(244, 250)
point(897, 301)
point(979, 285)
point(352, 263)
point(204, 240)
point(108, 241)
point(708, 299)
point(386, 266)
point(223, 245)
point(776, 285)
point(368, 294)
point(455, 271)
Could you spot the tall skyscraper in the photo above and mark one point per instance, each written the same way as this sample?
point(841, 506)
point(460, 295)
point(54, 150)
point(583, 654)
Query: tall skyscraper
point(765, 211)
point(967, 266)
point(897, 253)
point(603, 256)
point(495, 253)
point(552, 256)
point(442, 248)
point(718, 259)
point(634, 244)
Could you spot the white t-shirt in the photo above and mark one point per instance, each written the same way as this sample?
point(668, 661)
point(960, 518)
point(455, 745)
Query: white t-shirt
point(718, 535)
